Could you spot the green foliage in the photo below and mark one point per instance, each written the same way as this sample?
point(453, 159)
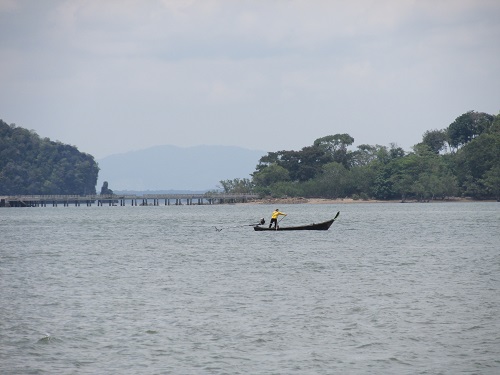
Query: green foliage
point(468, 126)
point(329, 169)
point(32, 165)
point(366, 154)
point(492, 181)
point(236, 186)
point(336, 147)
point(270, 175)
point(300, 165)
point(435, 140)
point(476, 164)
point(286, 189)
point(495, 126)
point(334, 181)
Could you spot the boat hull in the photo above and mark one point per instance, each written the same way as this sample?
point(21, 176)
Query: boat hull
point(321, 226)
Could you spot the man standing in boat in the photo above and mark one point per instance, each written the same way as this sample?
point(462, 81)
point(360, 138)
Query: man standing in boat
point(274, 218)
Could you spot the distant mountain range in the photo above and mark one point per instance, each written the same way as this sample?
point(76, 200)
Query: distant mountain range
point(171, 168)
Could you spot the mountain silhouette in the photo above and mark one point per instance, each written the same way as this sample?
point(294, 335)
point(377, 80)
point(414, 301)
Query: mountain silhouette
point(162, 168)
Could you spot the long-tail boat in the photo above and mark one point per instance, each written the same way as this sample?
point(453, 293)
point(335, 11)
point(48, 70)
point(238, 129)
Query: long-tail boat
point(319, 226)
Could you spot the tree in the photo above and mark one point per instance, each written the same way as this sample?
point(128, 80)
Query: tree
point(267, 160)
point(403, 176)
point(286, 189)
point(492, 181)
point(334, 181)
point(270, 175)
point(447, 185)
point(362, 180)
point(468, 126)
point(336, 146)
point(435, 140)
point(305, 164)
point(301, 165)
point(478, 156)
point(237, 186)
point(396, 152)
point(495, 125)
point(364, 155)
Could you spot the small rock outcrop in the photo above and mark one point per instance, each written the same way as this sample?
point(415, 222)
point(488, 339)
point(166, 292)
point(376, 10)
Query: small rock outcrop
point(105, 190)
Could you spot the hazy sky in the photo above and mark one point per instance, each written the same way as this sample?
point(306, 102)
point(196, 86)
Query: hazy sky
point(109, 76)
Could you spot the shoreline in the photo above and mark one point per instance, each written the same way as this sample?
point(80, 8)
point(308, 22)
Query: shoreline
point(301, 200)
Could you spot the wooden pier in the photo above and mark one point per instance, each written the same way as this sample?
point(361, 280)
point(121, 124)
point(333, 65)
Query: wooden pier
point(123, 200)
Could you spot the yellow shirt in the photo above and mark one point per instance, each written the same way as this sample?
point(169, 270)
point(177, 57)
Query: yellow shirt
point(276, 214)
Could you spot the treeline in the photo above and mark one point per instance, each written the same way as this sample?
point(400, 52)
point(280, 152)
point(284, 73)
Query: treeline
point(32, 165)
point(461, 160)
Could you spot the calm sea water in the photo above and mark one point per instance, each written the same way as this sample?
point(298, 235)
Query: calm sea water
point(389, 289)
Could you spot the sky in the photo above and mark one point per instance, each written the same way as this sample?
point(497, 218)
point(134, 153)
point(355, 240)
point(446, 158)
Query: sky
point(111, 76)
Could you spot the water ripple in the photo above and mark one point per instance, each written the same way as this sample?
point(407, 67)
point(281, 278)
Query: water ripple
point(156, 290)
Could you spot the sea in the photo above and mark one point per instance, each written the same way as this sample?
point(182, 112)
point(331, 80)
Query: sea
point(390, 288)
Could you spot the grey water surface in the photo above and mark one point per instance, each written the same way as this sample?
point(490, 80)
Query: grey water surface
point(390, 289)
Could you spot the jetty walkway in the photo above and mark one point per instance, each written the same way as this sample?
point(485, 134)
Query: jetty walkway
point(123, 200)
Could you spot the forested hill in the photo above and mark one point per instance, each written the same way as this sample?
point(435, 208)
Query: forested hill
point(33, 165)
point(461, 160)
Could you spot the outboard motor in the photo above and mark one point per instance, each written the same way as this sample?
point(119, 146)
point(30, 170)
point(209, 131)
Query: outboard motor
point(262, 221)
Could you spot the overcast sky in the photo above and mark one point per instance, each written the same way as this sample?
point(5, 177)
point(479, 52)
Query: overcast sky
point(109, 76)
